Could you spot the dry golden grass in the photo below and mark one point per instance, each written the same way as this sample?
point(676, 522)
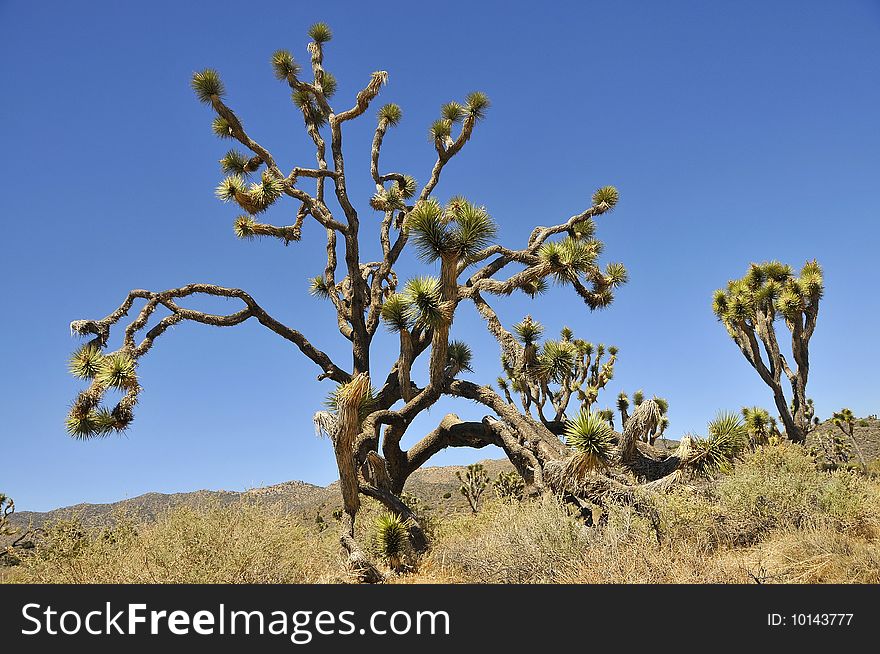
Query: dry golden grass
point(244, 543)
point(774, 519)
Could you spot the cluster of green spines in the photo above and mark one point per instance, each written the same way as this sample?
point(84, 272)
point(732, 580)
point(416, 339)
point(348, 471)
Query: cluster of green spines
point(592, 439)
point(557, 360)
point(474, 108)
point(440, 130)
point(528, 331)
point(460, 356)
point(238, 163)
point(759, 424)
point(570, 257)
point(392, 537)
point(460, 229)
point(88, 424)
point(319, 287)
point(320, 33)
point(605, 198)
point(243, 226)
point(584, 230)
point(221, 128)
point(312, 113)
point(418, 305)
point(477, 104)
point(426, 306)
point(408, 188)
point(208, 85)
point(284, 65)
point(117, 370)
point(715, 454)
point(388, 199)
point(396, 312)
point(328, 84)
point(769, 288)
point(230, 186)
point(390, 114)
point(86, 362)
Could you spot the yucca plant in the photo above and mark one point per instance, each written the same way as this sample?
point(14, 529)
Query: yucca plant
point(392, 539)
point(845, 421)
point(727, 438)
point(760, 425)
point(593, 442)
point(508, 486)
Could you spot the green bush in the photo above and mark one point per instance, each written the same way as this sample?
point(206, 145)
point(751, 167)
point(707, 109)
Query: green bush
point(779, 486)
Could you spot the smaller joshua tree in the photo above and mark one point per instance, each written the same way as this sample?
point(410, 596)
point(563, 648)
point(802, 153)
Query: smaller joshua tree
point(508, 486)
point(760, 425)
point(391, 538)
point(846, 422)
point(556, 371)
point(473, 484)
point(750, 307)
point(7, 508)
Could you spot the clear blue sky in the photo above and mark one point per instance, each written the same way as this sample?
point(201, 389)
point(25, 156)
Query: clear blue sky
point(736, 132)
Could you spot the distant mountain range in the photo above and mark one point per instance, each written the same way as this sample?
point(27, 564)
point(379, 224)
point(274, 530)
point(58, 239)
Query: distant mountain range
point(429, 484)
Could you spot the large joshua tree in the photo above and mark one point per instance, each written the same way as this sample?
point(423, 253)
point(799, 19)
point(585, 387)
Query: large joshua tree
point(750, 308)
point(370, 411)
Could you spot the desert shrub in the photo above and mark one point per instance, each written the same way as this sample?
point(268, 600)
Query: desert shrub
point(779, 487)
point(243, 543)
point(529, 542)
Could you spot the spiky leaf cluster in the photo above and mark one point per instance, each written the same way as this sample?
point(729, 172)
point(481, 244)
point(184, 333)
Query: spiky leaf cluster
point(391, 538)
point(460, 356)
point(460, 229)
point(262, 194)
point(771, 289)
point(477, 104)
point(230, 187)
point(389, 199)
point(605, 198)
point(284, 65)
point(570, 257)
point(528, 331)
point(319, 287)
point(427, 309)
point(221, 128)
point(716, 454)
point(86, 362)
point(593, 442)
point(759, 424)
point(207, 85)
point(320, 33)
point(557, 360)
point(238, 163)
point(390, 114)
point(83, 425)
point(117, 370)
